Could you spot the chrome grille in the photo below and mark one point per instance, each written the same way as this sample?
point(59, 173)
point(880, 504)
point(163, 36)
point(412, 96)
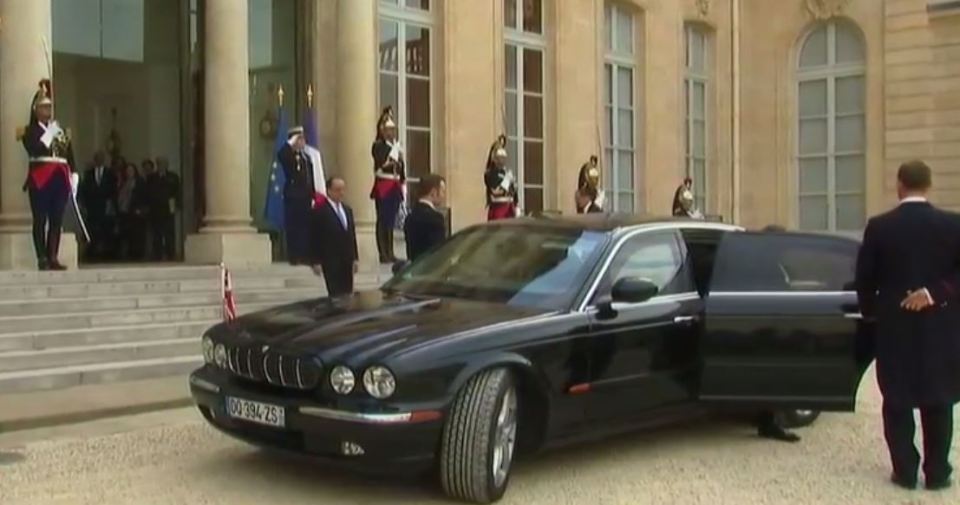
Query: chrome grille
point(274, 368)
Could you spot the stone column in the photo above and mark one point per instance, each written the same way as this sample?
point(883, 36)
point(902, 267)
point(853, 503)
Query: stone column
point(227, 235)
point(357, 114)
point(24, 29)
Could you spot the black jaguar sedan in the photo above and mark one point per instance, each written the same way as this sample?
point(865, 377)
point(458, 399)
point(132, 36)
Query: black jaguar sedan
point(522, 334)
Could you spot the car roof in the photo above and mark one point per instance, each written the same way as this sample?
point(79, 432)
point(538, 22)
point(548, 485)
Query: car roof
point(614, 221)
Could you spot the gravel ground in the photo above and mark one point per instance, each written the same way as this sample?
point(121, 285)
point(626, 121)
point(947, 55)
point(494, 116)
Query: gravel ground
point(173, 458)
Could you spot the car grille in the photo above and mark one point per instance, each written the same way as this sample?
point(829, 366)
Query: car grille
point(274, 368)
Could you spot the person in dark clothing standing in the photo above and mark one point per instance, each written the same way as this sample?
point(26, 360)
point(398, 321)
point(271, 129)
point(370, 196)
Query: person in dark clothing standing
point(132, 210)
point(163, 201)
point(502, 198)
point(298, 198)
point(338, 255)
point(426, 227)
point(586, 201)
point(914, 251)
point(390, 175)
point(98, 194)
point(49, 179)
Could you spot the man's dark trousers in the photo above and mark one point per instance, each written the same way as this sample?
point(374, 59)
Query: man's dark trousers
point(899, 428)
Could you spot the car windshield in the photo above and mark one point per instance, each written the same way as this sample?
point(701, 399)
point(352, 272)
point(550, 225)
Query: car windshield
point(526, 266)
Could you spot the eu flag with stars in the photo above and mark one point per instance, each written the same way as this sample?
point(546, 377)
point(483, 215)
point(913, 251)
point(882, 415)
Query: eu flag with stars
point(273, 213)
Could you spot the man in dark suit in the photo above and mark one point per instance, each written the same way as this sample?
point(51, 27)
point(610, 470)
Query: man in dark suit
point(426, 227)
point(98, 194)
point(586, 201)
point(339, 258)
point(914, 251)
point(163, 201)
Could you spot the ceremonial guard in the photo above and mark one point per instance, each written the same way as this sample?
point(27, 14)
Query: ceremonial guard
point(683, 201)
point(389, 169)
point(298, 198)
point(589, 183)
point(502, 200)
point(50, 179)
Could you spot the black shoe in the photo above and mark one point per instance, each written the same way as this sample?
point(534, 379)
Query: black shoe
point(903, 483)
point(777, 433)
point(939, 485)
point(56, 266)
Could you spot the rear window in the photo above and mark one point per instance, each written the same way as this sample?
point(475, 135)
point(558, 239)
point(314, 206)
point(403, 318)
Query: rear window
point(784, 262)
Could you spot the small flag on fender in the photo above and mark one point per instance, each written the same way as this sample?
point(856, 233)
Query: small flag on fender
point(226, 294)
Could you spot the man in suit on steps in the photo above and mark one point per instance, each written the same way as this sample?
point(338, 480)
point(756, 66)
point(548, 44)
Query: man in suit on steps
point(336, 229)
point(426, 227)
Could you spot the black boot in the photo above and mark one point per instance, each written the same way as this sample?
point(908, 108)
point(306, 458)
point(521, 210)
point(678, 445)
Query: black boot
point(389, 242)
point(382, 244)
point(53, 250)
point(767, 427)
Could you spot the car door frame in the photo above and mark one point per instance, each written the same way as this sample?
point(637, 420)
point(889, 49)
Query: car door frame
point(779, 348)
point(659, 318)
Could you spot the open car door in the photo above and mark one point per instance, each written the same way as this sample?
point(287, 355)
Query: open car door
point(782, 325)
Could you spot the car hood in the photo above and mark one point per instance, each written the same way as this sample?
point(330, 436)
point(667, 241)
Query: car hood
point(368, 325)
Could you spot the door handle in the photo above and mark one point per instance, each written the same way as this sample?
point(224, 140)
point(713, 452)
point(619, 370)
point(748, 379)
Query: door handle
point(685, 319)
point(853, 315)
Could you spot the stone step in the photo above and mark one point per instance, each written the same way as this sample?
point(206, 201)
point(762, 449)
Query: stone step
point(81, 320)
point(92, 354)
point(158, 273)
point(71, 376)
point(39, 340)
point(123, 288)
point(135, 303)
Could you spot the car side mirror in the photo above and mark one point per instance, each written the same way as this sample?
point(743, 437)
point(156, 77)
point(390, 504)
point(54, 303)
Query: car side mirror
point(398, 266)
point(633, 290)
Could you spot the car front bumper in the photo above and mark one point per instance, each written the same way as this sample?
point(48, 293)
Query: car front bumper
point(403, 444)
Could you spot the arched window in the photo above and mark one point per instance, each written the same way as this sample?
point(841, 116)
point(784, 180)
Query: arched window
point(831, 147)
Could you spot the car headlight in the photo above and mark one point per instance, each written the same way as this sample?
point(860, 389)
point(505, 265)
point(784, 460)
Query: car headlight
point(379, 382)
point(342, 380)
point(207, 345)
point(220, 356)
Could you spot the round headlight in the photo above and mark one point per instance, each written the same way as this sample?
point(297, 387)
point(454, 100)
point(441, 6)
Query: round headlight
point(379, 382)
point(220, 355)
point(207, 346)
point(342, 380)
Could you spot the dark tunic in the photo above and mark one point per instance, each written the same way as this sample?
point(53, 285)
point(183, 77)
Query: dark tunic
point(918, 354)
point(504, 205)
point(297, 203)
point(388, 182)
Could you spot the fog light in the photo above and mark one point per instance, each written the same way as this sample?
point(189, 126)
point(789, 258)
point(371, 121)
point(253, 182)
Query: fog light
point(351, 449)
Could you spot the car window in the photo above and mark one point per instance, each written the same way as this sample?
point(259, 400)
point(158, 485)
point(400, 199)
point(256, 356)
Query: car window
point(533, 266)
point(784, 262)
point(657, 257)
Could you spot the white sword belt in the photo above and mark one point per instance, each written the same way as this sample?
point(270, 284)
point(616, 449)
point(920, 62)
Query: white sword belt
point(389, 177)
point(501, 199)
point(48, 159)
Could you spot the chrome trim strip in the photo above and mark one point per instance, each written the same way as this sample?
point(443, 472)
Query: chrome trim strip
point(657, 300)
point(299, 376)
point(357, 417)
point(266, 371)
point(646, 229)
point(205, 385)
point(283, 382)
point(856, 316)
point(250, 364)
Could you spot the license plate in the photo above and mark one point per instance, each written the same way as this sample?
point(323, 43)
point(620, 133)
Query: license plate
point(256, 412)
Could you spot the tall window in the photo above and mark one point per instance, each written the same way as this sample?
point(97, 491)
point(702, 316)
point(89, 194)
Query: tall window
point(619, 78)
point(524, 97)
point(405, 79)
point(696, 84)
point(831, 144)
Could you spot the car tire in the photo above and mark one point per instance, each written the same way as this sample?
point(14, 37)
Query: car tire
point(479, 438)
point(790, 419)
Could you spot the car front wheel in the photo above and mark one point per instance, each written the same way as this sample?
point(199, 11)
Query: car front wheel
point(789, 419)
point(479, 438)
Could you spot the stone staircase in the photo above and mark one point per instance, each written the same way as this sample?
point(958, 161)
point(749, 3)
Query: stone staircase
point(97, 326)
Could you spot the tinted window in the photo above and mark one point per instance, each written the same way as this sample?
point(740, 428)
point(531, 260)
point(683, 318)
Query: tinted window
point(520, 265)
point(784, 262)
point(657, 257)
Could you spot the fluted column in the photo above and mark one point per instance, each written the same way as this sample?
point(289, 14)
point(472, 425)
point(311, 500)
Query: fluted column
point(227, 235)
point(24, 29)
point(357, 112)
